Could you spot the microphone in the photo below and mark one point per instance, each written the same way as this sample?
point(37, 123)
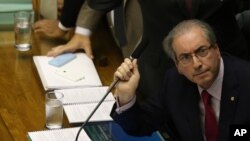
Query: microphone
point(135, 54)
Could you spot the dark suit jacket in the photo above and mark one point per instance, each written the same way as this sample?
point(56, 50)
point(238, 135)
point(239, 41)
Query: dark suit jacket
point(176, 108)
point(133, 32)
point(160, 16)
point(70, 12)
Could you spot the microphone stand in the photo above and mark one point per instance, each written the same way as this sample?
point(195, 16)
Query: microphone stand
point(135, 54)
point(97, 106)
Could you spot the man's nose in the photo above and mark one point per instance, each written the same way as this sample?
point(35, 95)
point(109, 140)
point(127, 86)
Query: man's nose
point(196, 61)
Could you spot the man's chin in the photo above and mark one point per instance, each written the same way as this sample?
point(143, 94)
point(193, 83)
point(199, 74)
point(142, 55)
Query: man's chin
point(203, 83)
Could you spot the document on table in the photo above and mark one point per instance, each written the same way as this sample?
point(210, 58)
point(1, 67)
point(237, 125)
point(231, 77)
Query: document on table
point(78, 103)
point(85, 95)
point(78, 113)
point(65, 134)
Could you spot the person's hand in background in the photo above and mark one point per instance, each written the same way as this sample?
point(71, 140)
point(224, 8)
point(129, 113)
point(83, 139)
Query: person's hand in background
point(48, 28)
point(77, 42)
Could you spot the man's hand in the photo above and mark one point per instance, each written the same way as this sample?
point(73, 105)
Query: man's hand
point(77, 42)
point(129, 77)
point(48, 28)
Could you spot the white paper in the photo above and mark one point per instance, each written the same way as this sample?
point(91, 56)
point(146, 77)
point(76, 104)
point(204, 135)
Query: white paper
point(66, 134)
point(85, 95)
point(78, 113)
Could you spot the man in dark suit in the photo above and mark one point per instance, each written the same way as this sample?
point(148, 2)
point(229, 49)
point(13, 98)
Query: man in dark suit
point(160, 16)
point(180, 108)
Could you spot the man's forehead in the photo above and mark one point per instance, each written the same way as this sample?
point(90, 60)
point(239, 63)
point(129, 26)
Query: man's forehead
point(191, 40)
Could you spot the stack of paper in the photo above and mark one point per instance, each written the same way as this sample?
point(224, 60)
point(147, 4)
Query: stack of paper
point(80, 102)
point(67, 134)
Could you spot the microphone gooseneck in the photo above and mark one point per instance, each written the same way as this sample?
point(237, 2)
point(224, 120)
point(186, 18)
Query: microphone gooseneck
point(97, 106)
point(135, 54)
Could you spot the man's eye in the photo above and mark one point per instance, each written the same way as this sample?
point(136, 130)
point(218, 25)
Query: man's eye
point(202, 50)
point(185, 57)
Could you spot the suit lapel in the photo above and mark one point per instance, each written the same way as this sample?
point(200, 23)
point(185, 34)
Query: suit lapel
point(229, 99)
point(191, 102)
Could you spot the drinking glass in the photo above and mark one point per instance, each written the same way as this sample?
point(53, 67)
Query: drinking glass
point(54, 110)
point(22, 28)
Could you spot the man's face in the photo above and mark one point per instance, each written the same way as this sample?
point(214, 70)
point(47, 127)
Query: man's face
point(197, 59)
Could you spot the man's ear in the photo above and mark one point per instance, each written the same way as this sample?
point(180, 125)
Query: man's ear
point(217, 50)
point(176, 65)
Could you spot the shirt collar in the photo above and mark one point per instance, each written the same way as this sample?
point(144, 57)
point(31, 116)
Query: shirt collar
point(216, 87)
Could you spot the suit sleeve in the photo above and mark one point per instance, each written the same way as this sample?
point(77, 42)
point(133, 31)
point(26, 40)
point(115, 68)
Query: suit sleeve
point(88, 18)
point(70, 12)
point(104, 5)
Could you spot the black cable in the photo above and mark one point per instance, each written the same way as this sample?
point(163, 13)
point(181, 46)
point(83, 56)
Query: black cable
point(97, 106)
point(135, 54)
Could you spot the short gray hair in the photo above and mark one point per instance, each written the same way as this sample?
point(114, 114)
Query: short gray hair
point(183, 27)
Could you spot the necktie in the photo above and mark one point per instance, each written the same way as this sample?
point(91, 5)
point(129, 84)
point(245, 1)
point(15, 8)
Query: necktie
point(119, 25)
point(211, 127)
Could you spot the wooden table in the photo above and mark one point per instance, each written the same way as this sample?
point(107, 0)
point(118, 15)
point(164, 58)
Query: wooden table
point(21, 93)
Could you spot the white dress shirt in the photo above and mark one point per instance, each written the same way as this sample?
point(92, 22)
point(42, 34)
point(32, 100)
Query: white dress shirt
point(78, 30)
point(215, 92)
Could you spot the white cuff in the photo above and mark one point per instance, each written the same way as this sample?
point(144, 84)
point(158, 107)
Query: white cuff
point(83, 31)
point(119, 109)
point(62, 27)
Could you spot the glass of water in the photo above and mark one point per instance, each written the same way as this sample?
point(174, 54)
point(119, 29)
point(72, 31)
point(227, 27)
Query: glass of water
point(54, 110)
point(22, 29)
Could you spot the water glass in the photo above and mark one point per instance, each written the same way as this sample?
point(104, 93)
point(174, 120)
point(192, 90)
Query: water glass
point(54, 110)
point(22, 28)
